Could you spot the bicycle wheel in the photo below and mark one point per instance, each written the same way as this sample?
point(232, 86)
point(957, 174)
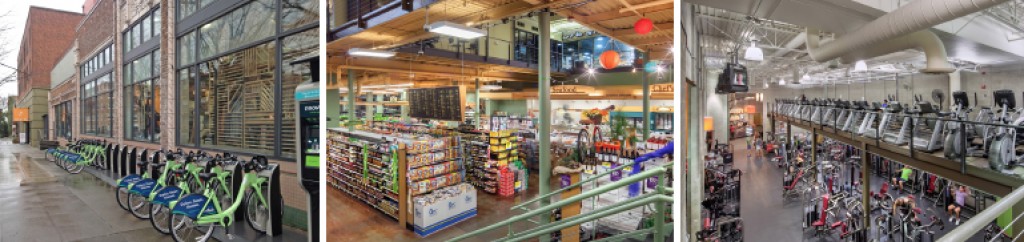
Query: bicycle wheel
point(225, 196)
point(122, 197)
point(186, 229)
point(137, 205)
point(73, 168)
point(160, 217)
point(256, 213)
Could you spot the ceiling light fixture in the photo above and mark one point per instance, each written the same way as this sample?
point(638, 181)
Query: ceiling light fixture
point(370, 53)
point(782, 82)
point(860, 66)
point(490, 87)
point(455, 30)
point(754, 53)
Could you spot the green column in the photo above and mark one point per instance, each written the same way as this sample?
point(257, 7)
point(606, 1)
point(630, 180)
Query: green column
point(351, 98)
point(647, 98)
point(477, 110)
point(544, 126)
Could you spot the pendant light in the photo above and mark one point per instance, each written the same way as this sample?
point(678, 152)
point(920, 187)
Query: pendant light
point(754, 53)
point(860, 66)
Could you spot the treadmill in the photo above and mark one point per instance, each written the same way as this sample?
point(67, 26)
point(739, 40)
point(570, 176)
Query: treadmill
point(872, 121)
point(896, 132)
point(927, 137)
point(855, 117)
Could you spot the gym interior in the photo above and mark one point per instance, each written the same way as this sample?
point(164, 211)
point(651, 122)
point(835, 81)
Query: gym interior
point(854, 120)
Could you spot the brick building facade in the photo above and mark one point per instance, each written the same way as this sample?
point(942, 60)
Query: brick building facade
point(48, 33)
point(131, 95)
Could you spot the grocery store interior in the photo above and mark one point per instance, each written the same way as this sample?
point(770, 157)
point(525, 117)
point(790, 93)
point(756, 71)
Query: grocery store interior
point(880, 120)
point(454, 120)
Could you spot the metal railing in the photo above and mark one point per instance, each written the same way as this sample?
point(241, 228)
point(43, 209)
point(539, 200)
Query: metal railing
point(660, 198)
point(887, 128)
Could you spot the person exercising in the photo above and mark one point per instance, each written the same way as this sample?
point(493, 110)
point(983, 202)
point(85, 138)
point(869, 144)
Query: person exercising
point(904, 176)
point(906, 206)
point(960, 196)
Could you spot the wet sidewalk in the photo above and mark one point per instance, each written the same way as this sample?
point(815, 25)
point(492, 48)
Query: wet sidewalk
point(41, 202)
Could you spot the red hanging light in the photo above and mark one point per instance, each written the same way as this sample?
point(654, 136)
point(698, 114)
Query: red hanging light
point(609, 59)
point(643, 26)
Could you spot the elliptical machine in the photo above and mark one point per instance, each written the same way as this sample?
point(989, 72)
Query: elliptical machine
point(1001, 155)
point(953, 144)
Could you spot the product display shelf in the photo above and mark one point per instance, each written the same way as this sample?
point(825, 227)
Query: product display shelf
point(366, 166)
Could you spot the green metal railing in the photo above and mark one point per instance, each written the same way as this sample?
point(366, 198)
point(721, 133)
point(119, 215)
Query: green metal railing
point(660, 198)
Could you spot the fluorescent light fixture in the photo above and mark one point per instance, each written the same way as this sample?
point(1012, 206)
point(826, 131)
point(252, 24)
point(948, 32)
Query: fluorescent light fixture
point(754, 53)
point(659, 69)
point(860, 66)
point(490, 87)
point(595, 94)
point(370, 53)
point(455, 30)
point(782, 82)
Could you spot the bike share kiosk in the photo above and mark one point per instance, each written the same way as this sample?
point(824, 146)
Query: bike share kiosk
point(307, 101)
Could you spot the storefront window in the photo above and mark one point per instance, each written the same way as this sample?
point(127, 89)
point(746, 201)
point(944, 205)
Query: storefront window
point(97, 106)
point(142, 99)
point(186, 49)
point(247, 24)
point(293, 48)
point(237, 101)
point(62, 124)
point(143, 30)
point(234, 94)
point(296, 13)
point(186, 107)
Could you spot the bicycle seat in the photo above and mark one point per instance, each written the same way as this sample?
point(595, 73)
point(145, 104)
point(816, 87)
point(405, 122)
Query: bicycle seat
point(205, 176)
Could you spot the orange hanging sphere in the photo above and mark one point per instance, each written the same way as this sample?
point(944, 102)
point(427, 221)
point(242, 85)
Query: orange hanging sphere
point(643, 26)
point(609, 59)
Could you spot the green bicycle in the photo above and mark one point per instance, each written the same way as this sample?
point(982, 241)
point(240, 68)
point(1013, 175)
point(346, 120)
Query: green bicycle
point(207, 173)
point(194, 216)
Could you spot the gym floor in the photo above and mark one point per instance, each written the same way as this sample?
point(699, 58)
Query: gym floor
point(766, 217)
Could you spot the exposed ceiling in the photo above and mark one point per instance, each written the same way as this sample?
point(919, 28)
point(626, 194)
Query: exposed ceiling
point(729, 25)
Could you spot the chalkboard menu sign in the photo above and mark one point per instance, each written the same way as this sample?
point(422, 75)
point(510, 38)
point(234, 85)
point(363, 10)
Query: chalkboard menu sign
point(441, 103)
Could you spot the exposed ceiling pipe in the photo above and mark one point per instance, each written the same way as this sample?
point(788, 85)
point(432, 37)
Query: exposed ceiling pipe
point(794, 43)
point(934, 51)
point(912, 17)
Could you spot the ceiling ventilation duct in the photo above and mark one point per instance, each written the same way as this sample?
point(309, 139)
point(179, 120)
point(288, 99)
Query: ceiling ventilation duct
point(906, 23)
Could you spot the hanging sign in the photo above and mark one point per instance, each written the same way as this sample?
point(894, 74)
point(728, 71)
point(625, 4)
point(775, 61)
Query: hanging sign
point(571, 89)
point(20, 114)
point(663, 88)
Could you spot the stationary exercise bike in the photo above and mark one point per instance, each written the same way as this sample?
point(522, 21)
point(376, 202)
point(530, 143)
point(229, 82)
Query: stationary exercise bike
point(1001, 155)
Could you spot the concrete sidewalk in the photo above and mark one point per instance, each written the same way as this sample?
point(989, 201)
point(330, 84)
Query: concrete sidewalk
point(41, 202)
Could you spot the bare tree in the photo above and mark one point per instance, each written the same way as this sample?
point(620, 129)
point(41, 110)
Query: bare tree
point(6, 46)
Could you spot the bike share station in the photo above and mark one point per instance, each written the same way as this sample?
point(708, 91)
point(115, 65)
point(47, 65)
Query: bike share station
point(201, 195)
point(893, 140)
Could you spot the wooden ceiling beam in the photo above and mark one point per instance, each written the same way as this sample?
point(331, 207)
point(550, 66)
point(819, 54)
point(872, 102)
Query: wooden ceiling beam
point(402, 66)
point(614, 14)
point(630, 31)
point(654, 41)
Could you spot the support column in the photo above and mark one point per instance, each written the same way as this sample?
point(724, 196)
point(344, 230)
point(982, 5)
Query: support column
point(865, 187)
point(544, 126)
point(351, 99)
point(333, 100)
point(477, 109)
point(646, 123)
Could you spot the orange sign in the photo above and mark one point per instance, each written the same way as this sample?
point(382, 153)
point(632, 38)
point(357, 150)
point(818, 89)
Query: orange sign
point(750, 109)
point(20, 114)
point(709, 124)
